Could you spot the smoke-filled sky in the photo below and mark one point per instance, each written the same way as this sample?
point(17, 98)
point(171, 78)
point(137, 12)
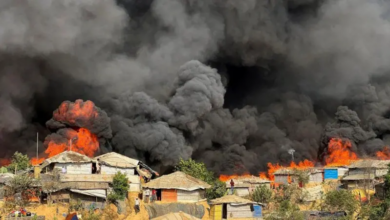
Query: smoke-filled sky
point(234, 84)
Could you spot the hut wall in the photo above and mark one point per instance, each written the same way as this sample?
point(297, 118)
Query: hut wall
point(62, 196)
point(216, 212)
point(88, 201)
point(379, 191)
point(135, 183)
point(75, 168)
point(242, 191)
point(239, 211)
point(331, 174)
point(381, 172)
point(283, 179)
point(342, 171)
point(190, 196)
point(104, 169)
point(361, 171)
point(316, 177)
point(169, 195)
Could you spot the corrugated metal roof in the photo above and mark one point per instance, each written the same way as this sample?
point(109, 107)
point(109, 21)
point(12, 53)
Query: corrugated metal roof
point(117, 160)
point(176, 216)
point(67, 157)
point(370, 164)
point(231, 199)
point(177, 180)
point(360, 177)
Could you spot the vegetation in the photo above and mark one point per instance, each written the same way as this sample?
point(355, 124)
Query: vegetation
point(199, 171)
point(22, 187)
point(19, 161)
point(340, 200)
point(262, 194)
point(286, 210)
point(75, 205)
point(302, 176)
point(120, 186)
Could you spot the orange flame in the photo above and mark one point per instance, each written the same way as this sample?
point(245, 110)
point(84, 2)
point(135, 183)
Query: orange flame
point(70, 112)
point(84, 142)
point(225, 178)
point(5, 162)
point(340, 153)
point(36, 161)
point(384, 154)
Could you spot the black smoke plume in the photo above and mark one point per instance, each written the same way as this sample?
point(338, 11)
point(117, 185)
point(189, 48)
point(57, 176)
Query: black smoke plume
point(234, 84)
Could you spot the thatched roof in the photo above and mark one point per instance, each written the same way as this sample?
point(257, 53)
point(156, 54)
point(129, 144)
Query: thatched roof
point(231, 199)
point(117, 160)
point(176, 216)
point(76, 185)
point(379, 164)
point(67, 157)
point(246, 182)
point(177, 180)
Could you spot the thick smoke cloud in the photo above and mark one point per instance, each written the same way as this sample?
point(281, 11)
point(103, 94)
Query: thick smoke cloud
point(235, 84)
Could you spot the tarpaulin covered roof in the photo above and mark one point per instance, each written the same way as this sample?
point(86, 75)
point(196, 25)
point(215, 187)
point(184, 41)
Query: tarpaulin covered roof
point(5, 177)
point(231, 199)
point(67, 157)
point(100, 193)
point(79, 185)
point(177, 180)
point(176, 216)
point(117, 160)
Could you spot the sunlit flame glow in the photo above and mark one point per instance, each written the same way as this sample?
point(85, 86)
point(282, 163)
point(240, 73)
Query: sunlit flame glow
point(340, 153)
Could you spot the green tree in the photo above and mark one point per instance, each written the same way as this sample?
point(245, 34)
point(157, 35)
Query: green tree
point(200, 171)
point(262, 194)
point(19, 161)
point(340, 200)
point(120, 186)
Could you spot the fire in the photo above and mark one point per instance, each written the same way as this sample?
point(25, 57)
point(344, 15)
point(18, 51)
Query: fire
point(340, 153)
point(225, 178)
point(5, 162)
point(37, 161)
point(384, 154)
point(83, 141)
point(71, 112)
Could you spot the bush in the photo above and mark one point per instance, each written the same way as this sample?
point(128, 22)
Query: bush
point(75, 205)
point(340, 200)
point(199, 171)
point(120, 186)
point(262, 194)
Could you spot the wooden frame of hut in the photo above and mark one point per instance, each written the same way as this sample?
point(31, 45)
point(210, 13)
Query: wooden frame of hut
point(178, 187)
point(232, 206)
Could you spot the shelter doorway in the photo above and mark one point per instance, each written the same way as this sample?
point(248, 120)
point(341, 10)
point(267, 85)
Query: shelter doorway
point(224, 211)
point(94, 168)
point(158, 194)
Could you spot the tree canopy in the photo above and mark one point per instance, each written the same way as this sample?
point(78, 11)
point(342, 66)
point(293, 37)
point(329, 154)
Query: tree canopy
point(120, 186)
point(19, 161)
point(341, 200)
point(200, 171)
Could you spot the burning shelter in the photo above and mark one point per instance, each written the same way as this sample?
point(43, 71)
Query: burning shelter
point(285, 175)
point(178, 187)
point(245, 185)
point(334, 173)
point(232, 206)
point(68, 162)
point(365, 174)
